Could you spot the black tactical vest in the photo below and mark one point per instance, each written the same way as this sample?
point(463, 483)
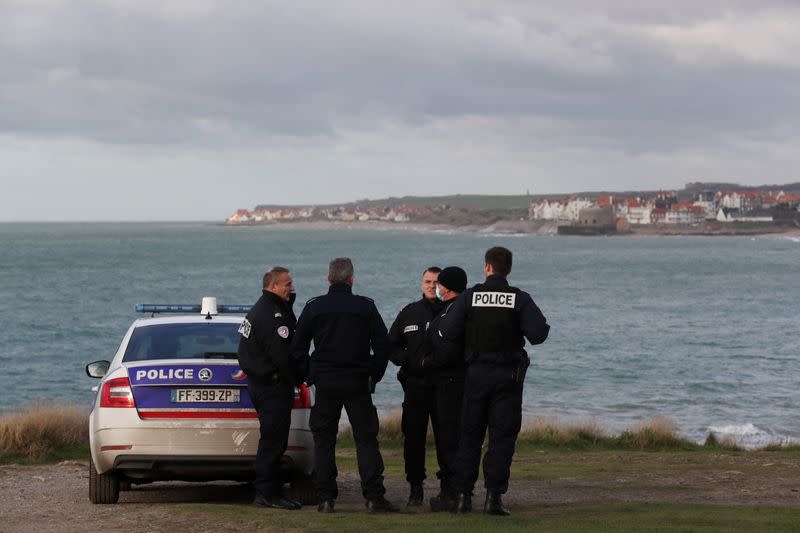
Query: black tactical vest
point(492, 320)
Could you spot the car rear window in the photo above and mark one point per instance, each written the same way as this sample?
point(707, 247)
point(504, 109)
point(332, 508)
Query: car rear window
point(183, 341)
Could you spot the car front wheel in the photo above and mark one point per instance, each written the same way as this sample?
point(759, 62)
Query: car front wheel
point(103, 488)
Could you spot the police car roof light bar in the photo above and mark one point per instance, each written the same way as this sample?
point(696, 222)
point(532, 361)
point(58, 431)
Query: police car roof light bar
point(234, 308)
point(190, 308)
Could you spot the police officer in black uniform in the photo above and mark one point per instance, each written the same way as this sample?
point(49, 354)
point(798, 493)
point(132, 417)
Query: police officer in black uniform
point(344, 327)
point(444, 368)
point(408, 337)
point(265, 356)
point(494, 320)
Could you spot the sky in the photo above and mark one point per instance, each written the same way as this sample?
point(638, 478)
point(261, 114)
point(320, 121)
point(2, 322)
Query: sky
point(189, 110)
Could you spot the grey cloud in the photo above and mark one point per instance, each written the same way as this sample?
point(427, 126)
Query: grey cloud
point(242, 72)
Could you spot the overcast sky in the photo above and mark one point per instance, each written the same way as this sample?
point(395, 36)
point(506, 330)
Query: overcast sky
point(188, 110)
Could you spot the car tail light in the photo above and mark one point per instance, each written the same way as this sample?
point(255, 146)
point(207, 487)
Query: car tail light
point(302, 397)
point(117, 393)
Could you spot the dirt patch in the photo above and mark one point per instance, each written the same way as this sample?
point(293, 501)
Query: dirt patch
point(55, 497)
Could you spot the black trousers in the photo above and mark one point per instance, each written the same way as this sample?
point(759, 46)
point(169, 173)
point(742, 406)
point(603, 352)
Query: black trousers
point(491, 400)
point(273, 403)
point(352, 395)
point(440, 401)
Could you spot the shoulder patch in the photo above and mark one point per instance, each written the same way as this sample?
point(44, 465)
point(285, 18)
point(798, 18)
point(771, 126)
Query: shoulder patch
point(409, 329)
point(278, 315)
point(245, 328)
point(283, 332)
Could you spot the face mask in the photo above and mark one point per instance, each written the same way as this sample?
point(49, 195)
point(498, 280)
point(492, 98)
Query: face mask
point(439, 294)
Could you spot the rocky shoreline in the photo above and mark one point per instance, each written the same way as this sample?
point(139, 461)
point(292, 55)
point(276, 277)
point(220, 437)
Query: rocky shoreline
point(537, 227)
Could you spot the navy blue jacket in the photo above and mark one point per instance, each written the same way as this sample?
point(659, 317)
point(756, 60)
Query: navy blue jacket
point(445, 358)
point(344, 328)
point(532, 324)
point(409, 332)
point(265, 338)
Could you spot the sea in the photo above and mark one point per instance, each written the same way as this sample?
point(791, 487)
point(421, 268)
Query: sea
point(702, 331)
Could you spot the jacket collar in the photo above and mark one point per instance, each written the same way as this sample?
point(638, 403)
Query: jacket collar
point(277, 300)
point(496, 280)
point(434, 306)
point(340, 287)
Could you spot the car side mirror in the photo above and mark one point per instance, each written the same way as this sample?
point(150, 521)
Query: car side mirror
point(97, 369)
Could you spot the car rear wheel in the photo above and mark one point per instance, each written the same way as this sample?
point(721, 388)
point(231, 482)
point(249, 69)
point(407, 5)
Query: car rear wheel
point(103, 488)
point(302, 490)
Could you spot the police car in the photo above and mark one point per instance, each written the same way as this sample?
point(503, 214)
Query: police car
point(173, 404)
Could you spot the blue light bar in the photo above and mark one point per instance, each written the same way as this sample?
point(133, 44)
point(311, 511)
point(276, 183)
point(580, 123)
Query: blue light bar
point(234, 308)
point(189, 308)
point(167, 308)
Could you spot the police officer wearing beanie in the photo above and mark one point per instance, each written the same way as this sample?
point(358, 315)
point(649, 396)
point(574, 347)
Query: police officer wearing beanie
point(344, 327)
point(408, 338)
point(444, 368)
point(265, 356)
point(494, 319)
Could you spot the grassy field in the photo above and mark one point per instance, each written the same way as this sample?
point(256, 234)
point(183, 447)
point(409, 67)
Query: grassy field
point(600, 482)
point(596, 517)
point(564, 478)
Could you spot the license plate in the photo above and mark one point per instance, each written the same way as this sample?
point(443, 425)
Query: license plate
point(204, 395)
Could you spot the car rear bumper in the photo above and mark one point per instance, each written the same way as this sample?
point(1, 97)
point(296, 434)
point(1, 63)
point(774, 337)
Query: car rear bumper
point(190, 445)
point(187, 468)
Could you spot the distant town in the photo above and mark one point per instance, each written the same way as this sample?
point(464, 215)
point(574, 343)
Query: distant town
point(702, 208)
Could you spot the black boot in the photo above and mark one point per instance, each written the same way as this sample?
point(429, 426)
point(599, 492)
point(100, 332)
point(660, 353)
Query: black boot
point(276, 502)
point(463, 503)
point(381, 505)
point(445, 500)
point(415, 496)
point(494, 504)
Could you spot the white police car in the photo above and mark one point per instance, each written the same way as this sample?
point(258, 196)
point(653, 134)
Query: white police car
point(173, 405)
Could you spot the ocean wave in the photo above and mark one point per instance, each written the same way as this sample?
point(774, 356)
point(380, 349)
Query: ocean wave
point(749, 435)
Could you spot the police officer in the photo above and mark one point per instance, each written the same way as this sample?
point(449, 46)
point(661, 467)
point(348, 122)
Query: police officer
point(344, 327)
point(265, 356)
point(494, 319)
point(408, 338)
point(444, 369)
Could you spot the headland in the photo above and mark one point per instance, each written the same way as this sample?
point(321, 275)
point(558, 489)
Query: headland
point(709, 209)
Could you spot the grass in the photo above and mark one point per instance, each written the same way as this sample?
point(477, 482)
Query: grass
point(635, 491)
point(595, 517)
point(550, 456)
point(43, 432)
point(656, 434)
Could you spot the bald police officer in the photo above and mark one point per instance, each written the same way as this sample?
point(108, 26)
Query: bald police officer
point(493, 319)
